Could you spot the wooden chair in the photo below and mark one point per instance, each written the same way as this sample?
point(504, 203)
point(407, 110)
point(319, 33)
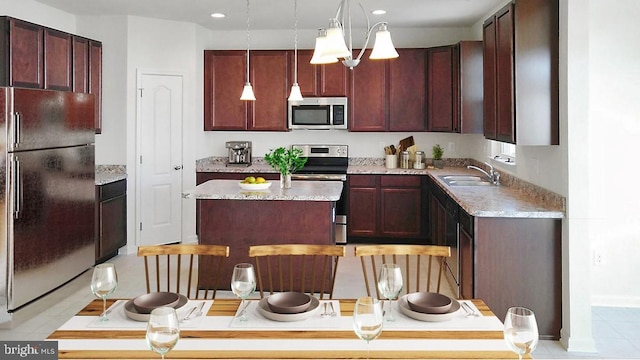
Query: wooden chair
point(307, 268)
point(411, 256)
point(169, 273)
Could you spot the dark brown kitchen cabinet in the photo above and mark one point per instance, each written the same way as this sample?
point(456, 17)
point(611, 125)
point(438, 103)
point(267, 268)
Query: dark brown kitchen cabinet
point(440, 100)
point(269, 77)
point(454, 88)
point(363, 205)
point(80, 64)
point(504, 261)
point(318, 80)
point(385, 208)
point(95, 79)
point(407, 91)
point(224, 77)
point(466, 227)
point(111, 219)
point(521, 73)
point(58, 64)
point(368, 101)
point(21, 54)
point(34, 56)
point(389, 95)
point(400, 206)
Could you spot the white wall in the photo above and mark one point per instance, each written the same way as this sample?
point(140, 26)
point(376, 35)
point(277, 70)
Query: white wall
point(37, 13)
point(614, 129)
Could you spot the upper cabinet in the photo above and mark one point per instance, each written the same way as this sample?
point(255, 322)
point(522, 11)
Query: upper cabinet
point(369, 96)
point(21, 54)
point(95, 79)
point(34, 56)
point(454, 88)
point(521, 73)
point(224, 76)
point(435, 89)
point(318, 80)
point(389, 95)
point(58, 65)
point(407, 91)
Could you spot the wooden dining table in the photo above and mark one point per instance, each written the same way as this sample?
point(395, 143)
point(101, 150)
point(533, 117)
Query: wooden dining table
point(218, 335)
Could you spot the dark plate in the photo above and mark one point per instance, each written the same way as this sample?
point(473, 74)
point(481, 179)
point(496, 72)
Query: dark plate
point(144, 304)
point(403, 305)
point(289, 302)
point(429, 302)
point(133, 314)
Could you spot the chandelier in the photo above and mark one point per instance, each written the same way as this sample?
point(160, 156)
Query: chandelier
point(331, 44)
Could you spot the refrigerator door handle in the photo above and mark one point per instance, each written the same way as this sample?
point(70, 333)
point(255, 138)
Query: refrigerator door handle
point(17, 189)
point(16, 129)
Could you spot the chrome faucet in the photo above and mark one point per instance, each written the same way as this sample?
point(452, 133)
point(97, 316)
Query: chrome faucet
point(494, 176)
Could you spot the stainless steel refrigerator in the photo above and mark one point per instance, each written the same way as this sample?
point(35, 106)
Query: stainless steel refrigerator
point(47, 199)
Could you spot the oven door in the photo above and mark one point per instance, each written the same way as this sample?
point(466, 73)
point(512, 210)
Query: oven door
point(341, 207)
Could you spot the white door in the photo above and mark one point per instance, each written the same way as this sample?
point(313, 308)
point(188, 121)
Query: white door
point(160, 159)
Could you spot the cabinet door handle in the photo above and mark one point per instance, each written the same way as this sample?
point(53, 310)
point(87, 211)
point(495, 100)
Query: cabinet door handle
point(178, 167)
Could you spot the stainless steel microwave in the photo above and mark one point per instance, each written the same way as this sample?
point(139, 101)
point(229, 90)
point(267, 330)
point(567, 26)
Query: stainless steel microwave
point(318, 113)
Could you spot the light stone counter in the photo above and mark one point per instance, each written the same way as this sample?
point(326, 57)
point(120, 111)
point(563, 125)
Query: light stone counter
point(514, 198)
point(299, 191)
point(106, 174)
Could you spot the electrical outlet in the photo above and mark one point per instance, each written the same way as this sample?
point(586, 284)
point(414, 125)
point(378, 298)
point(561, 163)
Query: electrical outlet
point(597, 258)
point(452, 147)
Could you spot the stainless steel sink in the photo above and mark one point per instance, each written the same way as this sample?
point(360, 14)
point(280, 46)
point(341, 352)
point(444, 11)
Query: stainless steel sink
point(461, 178)
point(465, 180)
point(468, 183)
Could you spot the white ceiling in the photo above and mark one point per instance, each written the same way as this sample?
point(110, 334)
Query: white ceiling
point(279, 14)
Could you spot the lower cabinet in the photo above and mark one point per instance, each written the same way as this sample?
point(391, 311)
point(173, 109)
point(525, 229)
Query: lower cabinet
point(385, 208)
point(503, 261)
point(111, 219)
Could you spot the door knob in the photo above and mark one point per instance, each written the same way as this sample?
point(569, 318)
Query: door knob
point(178, 167)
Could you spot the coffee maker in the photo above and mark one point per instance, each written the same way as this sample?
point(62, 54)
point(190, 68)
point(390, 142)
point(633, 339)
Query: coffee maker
point(239, 153)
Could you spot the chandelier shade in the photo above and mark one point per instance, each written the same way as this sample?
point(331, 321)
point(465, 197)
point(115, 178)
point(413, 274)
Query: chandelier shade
point(321, 43)
point(338, 41)
point(383, 46)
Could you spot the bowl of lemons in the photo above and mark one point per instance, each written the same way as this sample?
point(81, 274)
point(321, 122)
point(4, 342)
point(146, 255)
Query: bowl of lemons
point(254, 183)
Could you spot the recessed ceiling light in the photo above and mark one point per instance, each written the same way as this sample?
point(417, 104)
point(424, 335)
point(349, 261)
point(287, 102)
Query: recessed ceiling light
point(378, 12)
point(218, 15)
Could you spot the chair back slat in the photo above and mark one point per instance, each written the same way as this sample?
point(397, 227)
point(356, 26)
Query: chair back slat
point(298, 267)
point(413, 257)
point(172, 271)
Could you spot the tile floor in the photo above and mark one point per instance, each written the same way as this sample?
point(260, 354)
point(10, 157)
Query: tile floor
point(616, 330)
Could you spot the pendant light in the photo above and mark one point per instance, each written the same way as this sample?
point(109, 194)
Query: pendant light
point(333, 45)
point(295, 95)
point(247, 91)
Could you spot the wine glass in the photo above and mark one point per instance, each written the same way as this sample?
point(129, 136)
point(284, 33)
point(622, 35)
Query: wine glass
point(243, 283)
point(103, 283)
point(390, 284)
point(163, 330)
point(521, 330)
point(367, 319)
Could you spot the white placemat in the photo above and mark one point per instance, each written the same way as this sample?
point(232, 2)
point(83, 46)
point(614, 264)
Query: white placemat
point(118, 319)
point(255, 320)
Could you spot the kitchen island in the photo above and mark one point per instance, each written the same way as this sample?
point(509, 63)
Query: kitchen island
point(230, 215)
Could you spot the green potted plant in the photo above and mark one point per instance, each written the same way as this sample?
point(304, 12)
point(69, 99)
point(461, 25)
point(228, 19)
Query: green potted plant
point(286, 161)
point(437, 152)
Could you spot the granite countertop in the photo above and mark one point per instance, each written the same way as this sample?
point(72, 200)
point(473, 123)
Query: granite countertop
point(106, 174)
point(299, 191)
point(514, 198)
